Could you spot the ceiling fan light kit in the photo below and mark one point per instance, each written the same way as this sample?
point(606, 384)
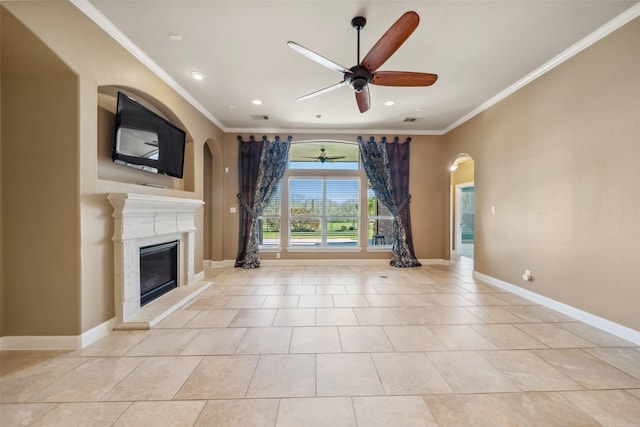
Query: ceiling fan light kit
point(359, 76)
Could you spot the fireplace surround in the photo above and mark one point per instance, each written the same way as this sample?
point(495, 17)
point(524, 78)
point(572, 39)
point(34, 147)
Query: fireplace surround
point(140, 221)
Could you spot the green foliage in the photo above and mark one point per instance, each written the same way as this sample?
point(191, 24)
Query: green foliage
point(305, 225)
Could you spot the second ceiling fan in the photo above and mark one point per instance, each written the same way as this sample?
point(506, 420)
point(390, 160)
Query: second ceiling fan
point(359, 76)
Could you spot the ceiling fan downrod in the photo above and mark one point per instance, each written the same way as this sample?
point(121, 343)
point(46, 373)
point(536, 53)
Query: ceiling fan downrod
point(358, 77)
point(358, 23)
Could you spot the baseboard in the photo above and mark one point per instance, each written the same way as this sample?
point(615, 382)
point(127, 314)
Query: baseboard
point(434, 261)
point(213, 264)
point(63, 342)
point(97, 332)
point(613, 328)
point(312, 262)
point(198, 276)
point(354, 262)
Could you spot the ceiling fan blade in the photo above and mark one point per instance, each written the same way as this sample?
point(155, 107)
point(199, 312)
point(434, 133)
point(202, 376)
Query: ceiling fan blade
point(321, 91)
point(403, 78)
point(317, 58)
point(391, 41)
point(335, 157)
point(362, 98)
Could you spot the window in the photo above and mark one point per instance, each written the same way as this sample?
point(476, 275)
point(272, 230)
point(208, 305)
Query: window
point(323, 212)
point(380, 221)
point(318, 203)
point(269, 222)
point(324, 155)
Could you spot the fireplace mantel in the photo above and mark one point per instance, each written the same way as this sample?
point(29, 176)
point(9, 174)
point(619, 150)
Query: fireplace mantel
point(142, 220)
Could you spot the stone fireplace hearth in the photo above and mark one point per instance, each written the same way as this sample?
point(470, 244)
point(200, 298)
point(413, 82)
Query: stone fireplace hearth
point(143, 220)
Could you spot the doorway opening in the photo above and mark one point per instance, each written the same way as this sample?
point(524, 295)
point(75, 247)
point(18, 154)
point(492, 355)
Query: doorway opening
point(463, 235)
point(212, 186)
point(207, 195)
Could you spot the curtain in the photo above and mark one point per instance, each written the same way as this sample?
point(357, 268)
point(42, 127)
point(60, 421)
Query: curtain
point(262, 164)
point(387, 168)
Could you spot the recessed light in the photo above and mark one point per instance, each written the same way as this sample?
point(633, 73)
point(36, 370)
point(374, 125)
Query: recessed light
point(175, 37)
point(197, 75)
point(418, 109)
point(233, 107)
point(318, 116)
point(389, 103)
point(256, 102)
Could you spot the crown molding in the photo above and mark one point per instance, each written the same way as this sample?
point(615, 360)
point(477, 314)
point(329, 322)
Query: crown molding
point(88, 9)
point(97, 17)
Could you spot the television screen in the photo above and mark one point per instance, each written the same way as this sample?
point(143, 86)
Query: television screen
point(146, 141)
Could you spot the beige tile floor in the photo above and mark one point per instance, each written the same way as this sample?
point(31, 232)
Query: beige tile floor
point(336, 346)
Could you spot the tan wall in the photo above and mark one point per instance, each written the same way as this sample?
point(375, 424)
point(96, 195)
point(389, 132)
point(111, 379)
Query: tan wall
point(426, 184)
point(463, 174)
point(558, 161)
point(429, 198)
point(40, 188)
point(98, 61)
point(1, 197)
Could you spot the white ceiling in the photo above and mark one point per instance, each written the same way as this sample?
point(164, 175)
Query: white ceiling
point(478, 48)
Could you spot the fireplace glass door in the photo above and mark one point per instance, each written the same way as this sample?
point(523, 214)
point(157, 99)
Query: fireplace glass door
point(158, 270)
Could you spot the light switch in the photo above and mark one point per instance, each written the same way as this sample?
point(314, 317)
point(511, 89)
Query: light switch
point(493, 209)
point(226, 170)
point(232, 210)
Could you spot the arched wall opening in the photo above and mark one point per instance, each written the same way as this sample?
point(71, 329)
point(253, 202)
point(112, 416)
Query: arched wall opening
point(212, 187)
point(462, 209)
point(207, 196)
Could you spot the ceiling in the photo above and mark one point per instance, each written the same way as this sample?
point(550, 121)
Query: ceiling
point(479, 49)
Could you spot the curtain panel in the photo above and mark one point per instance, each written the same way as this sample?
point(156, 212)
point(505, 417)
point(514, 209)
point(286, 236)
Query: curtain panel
point(262, 165)
point(387, 168)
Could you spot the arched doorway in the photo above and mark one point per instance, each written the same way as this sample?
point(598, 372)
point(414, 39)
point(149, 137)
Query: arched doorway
point(462, 172)
point(207, 188)
point(212, 176)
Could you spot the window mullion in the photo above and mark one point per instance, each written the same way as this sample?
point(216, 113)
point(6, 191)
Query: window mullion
point(324, 213)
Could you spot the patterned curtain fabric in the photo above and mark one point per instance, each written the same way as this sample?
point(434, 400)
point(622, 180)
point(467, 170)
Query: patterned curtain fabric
point(387, 167)
point(262, 164)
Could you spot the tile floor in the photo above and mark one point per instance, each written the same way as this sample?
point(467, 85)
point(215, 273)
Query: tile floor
point(336, 346)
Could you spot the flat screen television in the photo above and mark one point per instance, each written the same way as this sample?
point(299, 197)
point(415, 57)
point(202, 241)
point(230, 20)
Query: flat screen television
point(146, 141)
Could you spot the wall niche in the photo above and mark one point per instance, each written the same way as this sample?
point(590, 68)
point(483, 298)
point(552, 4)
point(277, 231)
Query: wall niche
point(110, 171)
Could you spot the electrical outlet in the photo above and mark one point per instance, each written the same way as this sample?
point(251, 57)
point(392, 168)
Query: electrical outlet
point(527, 272)
point(278, 255)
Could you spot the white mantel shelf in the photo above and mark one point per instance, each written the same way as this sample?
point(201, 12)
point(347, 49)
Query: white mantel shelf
point(144, 215)
point(144, 220)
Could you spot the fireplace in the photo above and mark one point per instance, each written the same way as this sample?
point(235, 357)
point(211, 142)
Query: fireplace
point(158, 270)
point(144, 221)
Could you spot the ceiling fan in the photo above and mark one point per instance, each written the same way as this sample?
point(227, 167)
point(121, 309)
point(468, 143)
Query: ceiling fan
point(323, 156)
point(359, 76)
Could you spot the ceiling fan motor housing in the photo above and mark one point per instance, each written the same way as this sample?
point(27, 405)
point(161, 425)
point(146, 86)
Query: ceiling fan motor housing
point(358, 77)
